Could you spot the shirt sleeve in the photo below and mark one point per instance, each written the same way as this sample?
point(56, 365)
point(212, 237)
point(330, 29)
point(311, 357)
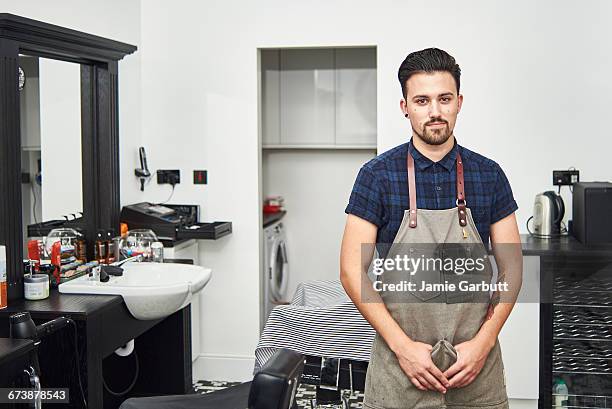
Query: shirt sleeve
point(503, 203)
point(366, 200)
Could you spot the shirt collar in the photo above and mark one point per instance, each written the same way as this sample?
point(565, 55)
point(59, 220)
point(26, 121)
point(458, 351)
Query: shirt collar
point(423, 162)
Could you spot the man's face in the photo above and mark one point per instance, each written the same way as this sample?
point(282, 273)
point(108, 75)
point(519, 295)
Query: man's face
point(432, 104)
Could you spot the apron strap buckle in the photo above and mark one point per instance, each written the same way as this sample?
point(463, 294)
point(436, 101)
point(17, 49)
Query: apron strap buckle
point(412, 218)
point(462, 212)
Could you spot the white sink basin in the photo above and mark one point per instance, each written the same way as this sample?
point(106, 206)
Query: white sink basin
point(150, 290)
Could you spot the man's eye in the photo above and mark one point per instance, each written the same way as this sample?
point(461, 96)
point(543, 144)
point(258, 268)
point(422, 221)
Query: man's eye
point(445, 99)
point(421, 101)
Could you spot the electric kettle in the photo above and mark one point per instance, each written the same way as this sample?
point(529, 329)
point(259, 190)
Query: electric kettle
point(548, 211)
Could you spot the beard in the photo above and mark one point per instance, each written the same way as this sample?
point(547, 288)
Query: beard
point(434, 136)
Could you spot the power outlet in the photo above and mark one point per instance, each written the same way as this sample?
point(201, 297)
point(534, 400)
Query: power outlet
point(171, 177)
point(565, 177)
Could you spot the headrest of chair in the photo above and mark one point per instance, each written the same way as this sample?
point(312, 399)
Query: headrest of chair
point(274, 386)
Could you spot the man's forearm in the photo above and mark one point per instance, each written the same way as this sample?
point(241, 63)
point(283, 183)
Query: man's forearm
point(507, 250)
point(509, 261)
point(373, 308)
point(493, 323)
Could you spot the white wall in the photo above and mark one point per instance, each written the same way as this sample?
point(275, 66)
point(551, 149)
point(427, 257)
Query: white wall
point(118, 20)
point(315, 205)
point(535, 81)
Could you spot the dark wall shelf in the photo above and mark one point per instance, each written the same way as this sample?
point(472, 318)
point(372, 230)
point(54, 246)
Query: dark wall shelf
point(205, 231)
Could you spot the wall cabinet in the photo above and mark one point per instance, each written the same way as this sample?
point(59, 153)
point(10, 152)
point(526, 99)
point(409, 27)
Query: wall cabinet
point(318, 97)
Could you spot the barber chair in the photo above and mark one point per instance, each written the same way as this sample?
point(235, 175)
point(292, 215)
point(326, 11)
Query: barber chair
point(273, 387)
point(332, 377)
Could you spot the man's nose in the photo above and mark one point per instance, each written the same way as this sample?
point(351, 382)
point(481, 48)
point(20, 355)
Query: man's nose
point(434, 110)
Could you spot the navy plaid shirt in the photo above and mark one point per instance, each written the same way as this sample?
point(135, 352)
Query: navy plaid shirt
point(380, 193)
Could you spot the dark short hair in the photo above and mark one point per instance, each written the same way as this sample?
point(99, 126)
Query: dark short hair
point(428, 60)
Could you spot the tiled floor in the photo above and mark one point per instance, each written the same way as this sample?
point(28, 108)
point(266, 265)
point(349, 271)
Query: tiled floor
point(304, 394)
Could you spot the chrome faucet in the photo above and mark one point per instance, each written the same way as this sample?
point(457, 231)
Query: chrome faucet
point(138, 257)
point(101, 272)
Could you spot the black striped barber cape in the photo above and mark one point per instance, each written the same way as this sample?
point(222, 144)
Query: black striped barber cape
point(321, 320)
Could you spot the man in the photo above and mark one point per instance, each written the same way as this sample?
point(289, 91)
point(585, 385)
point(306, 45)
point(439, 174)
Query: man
point(459, 192)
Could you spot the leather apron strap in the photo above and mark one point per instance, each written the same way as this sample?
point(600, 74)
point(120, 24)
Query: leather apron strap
point(461, 203)
point(412, 191)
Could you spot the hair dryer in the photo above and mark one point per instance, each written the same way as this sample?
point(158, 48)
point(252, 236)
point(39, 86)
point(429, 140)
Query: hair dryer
point(143, 172)
point(22, 327)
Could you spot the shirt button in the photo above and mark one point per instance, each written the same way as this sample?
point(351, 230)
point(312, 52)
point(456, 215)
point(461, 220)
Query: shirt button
point(438, 188)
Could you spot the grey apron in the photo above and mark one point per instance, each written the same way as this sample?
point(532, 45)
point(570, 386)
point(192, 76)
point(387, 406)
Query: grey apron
point(439, 318)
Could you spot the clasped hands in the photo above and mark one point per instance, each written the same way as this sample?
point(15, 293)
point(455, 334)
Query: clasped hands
point(416, 362)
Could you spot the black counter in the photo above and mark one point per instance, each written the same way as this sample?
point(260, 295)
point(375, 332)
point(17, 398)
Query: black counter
point(575, 309)
point(77, 306)
point(11, 349)
point(104, 324)
point(16, 355)
point(567, 245)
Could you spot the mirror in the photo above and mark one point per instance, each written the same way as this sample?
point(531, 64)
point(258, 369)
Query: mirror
point(50, 121)
point(95, 61)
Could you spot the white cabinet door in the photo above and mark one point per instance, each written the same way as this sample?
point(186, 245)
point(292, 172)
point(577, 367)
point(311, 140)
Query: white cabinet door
point(190, 250)
point(307, 97)
point(270, 96)
point(356, 96)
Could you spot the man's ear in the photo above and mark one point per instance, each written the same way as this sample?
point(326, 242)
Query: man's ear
point(404, 107)
point(459, 102)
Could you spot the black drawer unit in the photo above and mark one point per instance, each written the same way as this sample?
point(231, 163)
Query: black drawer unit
point(173, 221)
point(204, 231)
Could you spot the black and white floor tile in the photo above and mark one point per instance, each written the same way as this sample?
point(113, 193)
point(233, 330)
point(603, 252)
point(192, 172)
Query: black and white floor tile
point(304, 395)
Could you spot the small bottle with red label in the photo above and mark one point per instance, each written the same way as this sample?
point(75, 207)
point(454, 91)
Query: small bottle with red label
point(3, 284)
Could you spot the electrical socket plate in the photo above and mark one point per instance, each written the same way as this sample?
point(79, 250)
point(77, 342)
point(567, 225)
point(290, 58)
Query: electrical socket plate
point(565, 177)
point(168, 176)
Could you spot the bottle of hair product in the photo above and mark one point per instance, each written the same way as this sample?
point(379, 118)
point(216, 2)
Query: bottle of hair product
point(560, 394)
point(99, 250)
point(3, 284)
point(81, 250)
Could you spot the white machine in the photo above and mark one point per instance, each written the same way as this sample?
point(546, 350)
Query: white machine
point(275, 275)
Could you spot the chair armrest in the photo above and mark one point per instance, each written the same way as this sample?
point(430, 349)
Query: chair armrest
point(274, 386)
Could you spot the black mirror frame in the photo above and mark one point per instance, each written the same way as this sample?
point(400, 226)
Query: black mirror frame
point(99, 58)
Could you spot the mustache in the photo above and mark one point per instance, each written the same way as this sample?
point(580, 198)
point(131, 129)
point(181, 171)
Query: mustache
point(437, 120)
